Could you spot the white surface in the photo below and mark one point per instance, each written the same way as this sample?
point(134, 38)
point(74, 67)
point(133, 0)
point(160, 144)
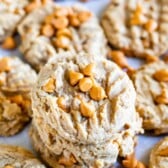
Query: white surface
point(145, 141)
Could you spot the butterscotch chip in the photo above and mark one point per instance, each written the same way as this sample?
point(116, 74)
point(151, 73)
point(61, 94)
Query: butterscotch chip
point(88, 125)
point(74, 20)
point(74, 77)
point(32, 6)
point(161, 75)
point(48, 19)
point(159, 154)
point(10, 156)
point(64, 32)
point(151, 25)
point(49, 86)
point(67, 161)
point(139, 27)
point(151, 58)
point(60, 23)
point(5, 64)
point(62, 42)
point(85, 84)
point(119, 58)
point(97, 93)
point(9, 43)
point(88, 70)
point(86, 109)
point(84, 16)
point(61, 12)
point(47, 30)
point(61, 103)
point(151, 86)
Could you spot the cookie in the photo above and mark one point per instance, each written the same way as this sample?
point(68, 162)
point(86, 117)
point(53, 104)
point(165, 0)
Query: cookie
point(159, 154)
point(16, 81)
point(14, 156)
point(53, 29)
point(81, 103)
point(12, 12)
point(137, 27)
point(151, 86)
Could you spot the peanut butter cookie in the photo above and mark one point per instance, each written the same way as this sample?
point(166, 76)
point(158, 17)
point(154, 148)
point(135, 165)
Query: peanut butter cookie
point(14, 156)
point(16, 81)
point(150, 83)
point(139, 28)
point(53, 29)
point(83, 108)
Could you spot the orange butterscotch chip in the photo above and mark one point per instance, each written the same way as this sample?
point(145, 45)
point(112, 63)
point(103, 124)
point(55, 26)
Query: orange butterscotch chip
point(64, 32)
point(119, 58)
point(60, 12)
point(9, 43)
point(162, 98)
point(84, 16)
point(86, 109)
point(67, 161)
point(88, 69)
point(60, 23)
point(47, 30)
point(8, 166)
point(74, 77)
point(85, 84)
point(18, 99)
point(61, 103)
point(161, 75)
point(74, 20)
point(62, 42)
point(5, 64)
point(48, 19)
point(163, 152)
point(151, 58)
point(97, 93)
point(151, 25)
point(31, 6)
point(49, 86)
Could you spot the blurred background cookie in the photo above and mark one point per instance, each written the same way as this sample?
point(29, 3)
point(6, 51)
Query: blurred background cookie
point(53, 29)
point(16, 81)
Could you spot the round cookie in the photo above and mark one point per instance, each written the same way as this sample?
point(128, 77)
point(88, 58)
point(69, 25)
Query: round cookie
point(159, 154)
point(81, 103)
point(137, 27)
point(53, 29)
point(12, 12)
point(14, 156)
point(151, 86)
point(16, 81)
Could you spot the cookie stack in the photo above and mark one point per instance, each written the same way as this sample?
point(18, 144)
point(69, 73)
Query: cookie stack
point(16, 81)
point(83, 112)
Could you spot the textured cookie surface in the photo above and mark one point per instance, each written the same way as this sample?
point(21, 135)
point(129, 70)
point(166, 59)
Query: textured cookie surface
point(85, 101)
point(52, 29)
point(16, 81)
point(152, 97)
point(138, 27)
point(159, 154)
point(14, 156)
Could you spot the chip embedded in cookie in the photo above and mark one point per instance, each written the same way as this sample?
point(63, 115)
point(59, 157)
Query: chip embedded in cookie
point(84, 108)
point(139, 28)
point(16, 81)
point(159, 154)
point(11, 13)
point(53, 29)
point(150, 83)
point(14, 156)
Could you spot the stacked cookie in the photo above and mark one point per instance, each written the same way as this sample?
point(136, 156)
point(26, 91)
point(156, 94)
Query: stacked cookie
point(52, 29)
point(16, 81)
point(83, 112)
